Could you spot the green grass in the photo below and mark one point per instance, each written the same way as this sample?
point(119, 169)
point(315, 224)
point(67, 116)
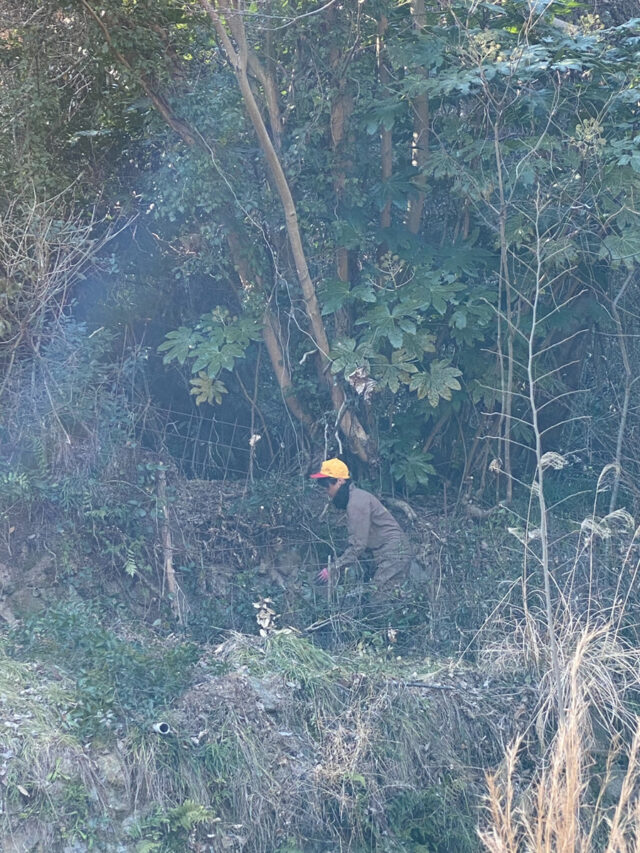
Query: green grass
point(46, 772)
point(117, 680)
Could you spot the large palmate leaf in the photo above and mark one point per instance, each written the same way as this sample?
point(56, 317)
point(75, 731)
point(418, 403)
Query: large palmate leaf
point(414, 468)
point(623, 247)
point(180, 345)
point(438, 383)
point(334, 294)
point(214, 344)
point(206, 389)
point(396, 372)
point(345, 357)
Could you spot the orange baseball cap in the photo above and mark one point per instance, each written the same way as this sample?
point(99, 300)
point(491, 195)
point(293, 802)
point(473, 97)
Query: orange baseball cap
point(332, 468)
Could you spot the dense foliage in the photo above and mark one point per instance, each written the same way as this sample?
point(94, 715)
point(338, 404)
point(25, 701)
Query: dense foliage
point(240, 235)
point(378, 195)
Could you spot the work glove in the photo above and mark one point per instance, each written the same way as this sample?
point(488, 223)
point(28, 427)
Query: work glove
point(323, 575)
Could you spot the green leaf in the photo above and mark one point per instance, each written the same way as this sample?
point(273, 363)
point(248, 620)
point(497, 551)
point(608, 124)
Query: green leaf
point(414, 468)
point(407, 326)
point(375, 316)
point(334, 294)
point(180, 345)
point(365, 292)
point(459, 319)
point(420, 343)
point(207, 389)
point(393, 333)
point(396, 372)
point(382, 324)
point(344, 357)
point(228, 355)
point(215, 342)
point(383, 114)
point(438, 383)
point(208, 358)
point(624, 247)
point(356, 777)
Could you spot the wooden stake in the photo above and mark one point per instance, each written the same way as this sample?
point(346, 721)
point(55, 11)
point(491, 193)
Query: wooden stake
point(167, 548)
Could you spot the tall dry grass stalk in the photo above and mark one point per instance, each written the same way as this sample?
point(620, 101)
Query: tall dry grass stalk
point(608, 666)
point(567, 806)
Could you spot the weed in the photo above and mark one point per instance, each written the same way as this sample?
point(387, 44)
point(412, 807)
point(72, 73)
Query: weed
point(172, 830)
point(45, 771)
point(437, 819)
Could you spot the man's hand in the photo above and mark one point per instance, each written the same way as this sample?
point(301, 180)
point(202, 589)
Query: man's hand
point(323, 576)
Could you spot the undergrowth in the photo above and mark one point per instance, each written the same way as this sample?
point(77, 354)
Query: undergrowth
point(580, 791)
point(46, 774)
point(297, 744)
point(270, 743)
point(175, 829)
point(118, 680)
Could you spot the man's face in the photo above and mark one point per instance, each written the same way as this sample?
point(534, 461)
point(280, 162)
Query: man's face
point(332, 488)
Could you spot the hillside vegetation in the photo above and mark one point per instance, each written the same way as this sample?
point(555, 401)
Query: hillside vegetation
point(237, 238)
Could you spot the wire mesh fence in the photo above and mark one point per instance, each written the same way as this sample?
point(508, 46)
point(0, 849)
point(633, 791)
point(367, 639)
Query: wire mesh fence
point(204, 445)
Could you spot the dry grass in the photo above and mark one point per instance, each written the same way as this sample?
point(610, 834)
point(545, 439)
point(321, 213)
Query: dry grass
point(608, 666)
point(574, 787)
point(290, 742)
point(567, 806)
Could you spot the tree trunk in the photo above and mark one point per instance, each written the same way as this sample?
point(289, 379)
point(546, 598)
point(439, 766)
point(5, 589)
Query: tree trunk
point(341, 109)
point(420, 140)
point(386, 136)
point(628, 381)
point(238, 58)
point(270, 334)
point(506, 381)
point(167, 549)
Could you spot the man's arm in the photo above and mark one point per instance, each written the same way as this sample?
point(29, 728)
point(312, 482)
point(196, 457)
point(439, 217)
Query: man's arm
point(358, 525)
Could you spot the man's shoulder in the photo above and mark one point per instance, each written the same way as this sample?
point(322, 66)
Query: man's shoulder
point(356, 492)
point(361, 496)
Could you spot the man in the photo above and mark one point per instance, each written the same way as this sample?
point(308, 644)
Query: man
point(371, 527)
